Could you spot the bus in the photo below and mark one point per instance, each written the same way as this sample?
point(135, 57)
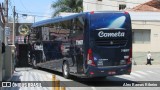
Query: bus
point(88, 44)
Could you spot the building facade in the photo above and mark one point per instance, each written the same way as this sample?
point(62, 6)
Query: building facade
point(146, 31)
point(110, 5)
point(21, 30)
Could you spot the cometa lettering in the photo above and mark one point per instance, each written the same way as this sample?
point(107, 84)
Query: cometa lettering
point(116, 34)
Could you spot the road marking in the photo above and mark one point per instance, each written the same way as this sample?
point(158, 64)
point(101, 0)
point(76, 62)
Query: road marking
point(137, 75)
point(93, 88)
point(128, 76)
point(31, 76)
point(22, 78)
point(157, 71)
point(40, 77)
point(141, 72)
point(152, 72)
point(49, 76)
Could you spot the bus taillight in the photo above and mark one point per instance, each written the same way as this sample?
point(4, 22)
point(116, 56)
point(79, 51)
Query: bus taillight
point(92, 12)
point(126, 12)
point(130, 56)
point(90, 60)
point(91, 73)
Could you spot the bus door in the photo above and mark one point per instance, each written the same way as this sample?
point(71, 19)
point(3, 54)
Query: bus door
point(77, 44)
point(76, 51)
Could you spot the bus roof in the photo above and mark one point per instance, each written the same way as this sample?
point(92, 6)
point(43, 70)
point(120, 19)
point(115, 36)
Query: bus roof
point(63, 18)
point(54, 20)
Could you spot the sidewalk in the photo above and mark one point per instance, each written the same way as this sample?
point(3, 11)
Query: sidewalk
point(30, 76)
point(141, 58)
point(145, 67)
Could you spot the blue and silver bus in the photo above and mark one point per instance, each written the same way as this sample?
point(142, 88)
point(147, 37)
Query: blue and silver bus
point(90, 44)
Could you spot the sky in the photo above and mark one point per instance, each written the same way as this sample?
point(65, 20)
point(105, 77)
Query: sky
point(40, 9)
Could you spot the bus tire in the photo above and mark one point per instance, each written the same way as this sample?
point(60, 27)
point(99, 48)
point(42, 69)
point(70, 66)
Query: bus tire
point(65, 70)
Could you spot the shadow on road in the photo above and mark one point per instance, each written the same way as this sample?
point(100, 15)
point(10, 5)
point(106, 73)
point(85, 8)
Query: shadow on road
point(88, 82)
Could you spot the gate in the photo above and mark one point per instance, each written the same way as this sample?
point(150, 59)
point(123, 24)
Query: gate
point(22, 55)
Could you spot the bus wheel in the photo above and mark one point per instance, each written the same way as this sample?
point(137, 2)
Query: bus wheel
point(66, 70)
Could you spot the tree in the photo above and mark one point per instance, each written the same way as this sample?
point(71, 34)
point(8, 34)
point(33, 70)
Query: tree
point(67, 6)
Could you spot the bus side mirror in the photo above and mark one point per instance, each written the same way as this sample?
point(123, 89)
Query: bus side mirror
point(3, 47)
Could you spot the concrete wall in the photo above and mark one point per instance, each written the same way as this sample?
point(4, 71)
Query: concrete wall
point(154, 45)
point(1, 58)
point(9, 62)
point(6, 66)
point(95, 5)
point(0, 62)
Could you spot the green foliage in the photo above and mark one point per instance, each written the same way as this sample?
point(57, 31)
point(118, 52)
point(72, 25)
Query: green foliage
point(67, 6)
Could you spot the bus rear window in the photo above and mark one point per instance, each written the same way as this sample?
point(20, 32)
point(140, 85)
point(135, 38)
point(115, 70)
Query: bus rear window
point(109, 20)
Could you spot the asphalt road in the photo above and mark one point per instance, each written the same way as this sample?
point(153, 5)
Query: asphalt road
point(148, 73)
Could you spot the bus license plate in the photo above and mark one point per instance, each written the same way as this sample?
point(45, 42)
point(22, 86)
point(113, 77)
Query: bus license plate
point(122, 62)
point(100, 63)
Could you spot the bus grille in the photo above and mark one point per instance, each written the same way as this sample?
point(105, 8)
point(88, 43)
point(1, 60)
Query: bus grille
point(111, 42)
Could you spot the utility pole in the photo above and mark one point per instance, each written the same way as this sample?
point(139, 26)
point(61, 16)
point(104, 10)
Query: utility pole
point(13, 37)
point(6, 12)
point(6, 20)
point(17, 18)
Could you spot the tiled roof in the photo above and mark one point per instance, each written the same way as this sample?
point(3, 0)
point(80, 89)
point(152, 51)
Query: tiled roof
point(153, 5)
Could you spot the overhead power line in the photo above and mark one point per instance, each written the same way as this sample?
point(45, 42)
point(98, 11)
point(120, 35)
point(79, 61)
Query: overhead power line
point(10, 4)
point(33, 15)
point(31, 12)
point(23, 6)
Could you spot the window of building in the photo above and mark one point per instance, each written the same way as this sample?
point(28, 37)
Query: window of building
point(141, 36)
point(99, 5)
point(122, 6)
